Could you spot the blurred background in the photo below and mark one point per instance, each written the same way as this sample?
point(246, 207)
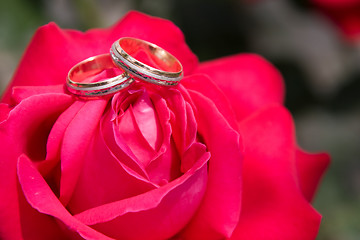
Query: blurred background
point(314, 43)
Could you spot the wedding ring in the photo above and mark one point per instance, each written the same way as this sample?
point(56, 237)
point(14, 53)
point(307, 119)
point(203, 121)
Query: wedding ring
point(78, 74)
point(165, 69)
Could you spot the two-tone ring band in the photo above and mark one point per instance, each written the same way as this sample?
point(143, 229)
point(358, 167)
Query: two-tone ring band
point(137, 58)
point(162, 68)
point(89, 67)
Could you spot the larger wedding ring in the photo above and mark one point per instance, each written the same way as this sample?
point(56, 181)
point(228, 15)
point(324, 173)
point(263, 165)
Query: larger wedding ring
point(90, 67)
point(166, 69)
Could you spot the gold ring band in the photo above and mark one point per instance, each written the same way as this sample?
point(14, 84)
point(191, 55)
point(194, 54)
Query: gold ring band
point(90, 67)
point(168, 70)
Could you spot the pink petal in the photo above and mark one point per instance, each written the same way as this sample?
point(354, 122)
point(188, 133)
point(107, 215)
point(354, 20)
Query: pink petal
point(249, 82)
point(165, 166)
point(22, 92)
point(55, 139)
point(194, 152)
point(75, 145)
point(157, 214)
point(24, 131)
point(336, 3)
point(35, 224)
point(48, 58)
point(183, 129)
point(128, 161)
point(310, 168)
point(40, 197)
point(178, 117)
point(203, 84)
point(53, 51)
point(147, 120)
point(129, 137)
point(273, 205)
point(219, 211)
point(344, 13)
point(191, 126)
point(103, 179)
point(4, 111)
point(103, 74)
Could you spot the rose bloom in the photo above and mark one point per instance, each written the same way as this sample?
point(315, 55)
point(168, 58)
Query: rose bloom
point(344, 13)
point(212, 158)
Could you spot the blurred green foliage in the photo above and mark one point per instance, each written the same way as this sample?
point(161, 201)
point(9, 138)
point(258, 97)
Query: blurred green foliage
point(18, 20)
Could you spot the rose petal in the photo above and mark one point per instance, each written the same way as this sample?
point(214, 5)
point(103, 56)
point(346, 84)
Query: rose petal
point(129, 137)
point(129, 140)
point(4, 111)
point(202, 83)
point(48, 58)
point(128, 162)
point(22, 92)
point(180, 127)
point(103, 179)
point(249, 82)
point(336, 3)
point(310, 168)
point(157, 214)
point(36, 224)
point(344, 13)
point(53, 51)
point(194, 152)
point(165, 166)
point(178, 117)
point(55, 138)
point(147, 120)
point(40, 197)
point(273, 205)
point(75, 144)
point(219, 211)
point(23, 128)
point(103, 74)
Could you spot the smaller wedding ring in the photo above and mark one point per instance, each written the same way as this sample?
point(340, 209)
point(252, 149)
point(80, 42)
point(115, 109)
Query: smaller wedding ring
point(168, 70)
point(89, 68)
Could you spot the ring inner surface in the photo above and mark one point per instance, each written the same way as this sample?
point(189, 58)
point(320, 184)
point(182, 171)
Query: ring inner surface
point(85, 73)
point(150, 55)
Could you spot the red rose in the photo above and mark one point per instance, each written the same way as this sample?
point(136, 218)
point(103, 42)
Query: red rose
point(213, 158)
point(344, 13)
